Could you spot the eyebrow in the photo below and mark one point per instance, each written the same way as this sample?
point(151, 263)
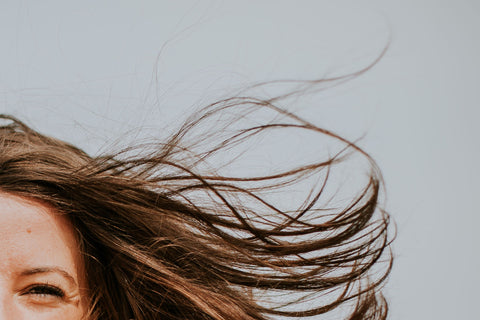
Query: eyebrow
point(57, 270)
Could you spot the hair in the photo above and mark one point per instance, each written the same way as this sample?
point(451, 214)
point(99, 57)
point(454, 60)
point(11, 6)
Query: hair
point(164, 238)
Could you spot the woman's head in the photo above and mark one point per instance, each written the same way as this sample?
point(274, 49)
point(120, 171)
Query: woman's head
point(144, 245)
point(136, 248)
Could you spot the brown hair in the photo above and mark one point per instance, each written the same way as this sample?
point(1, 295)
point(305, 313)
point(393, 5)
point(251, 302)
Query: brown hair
point(163, 238)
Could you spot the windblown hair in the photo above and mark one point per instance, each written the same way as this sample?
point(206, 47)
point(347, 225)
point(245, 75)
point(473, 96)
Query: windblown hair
point(164, 236)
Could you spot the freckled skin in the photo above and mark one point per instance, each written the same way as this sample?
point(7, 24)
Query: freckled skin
point(41, 270)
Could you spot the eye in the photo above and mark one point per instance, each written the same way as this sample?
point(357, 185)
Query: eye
point(45, 290)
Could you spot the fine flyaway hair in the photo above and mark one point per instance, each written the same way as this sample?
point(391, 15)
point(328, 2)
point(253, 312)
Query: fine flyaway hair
point(168, 230)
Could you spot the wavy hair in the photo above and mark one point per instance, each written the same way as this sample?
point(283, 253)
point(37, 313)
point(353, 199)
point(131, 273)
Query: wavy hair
point(165, 236)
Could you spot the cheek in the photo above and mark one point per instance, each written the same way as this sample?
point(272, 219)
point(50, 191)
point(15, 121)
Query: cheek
point(59, 314)
point(15, 309)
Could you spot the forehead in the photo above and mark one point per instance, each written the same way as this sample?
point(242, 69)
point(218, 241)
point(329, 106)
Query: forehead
point(31, 233)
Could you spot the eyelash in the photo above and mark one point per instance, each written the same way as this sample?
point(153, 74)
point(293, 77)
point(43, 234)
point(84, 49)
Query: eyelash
point(45, 290)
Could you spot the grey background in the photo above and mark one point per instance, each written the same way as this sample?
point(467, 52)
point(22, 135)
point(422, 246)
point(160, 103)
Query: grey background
point(90, 71)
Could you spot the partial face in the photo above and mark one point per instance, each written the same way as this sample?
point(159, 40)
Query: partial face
point(41, 270)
